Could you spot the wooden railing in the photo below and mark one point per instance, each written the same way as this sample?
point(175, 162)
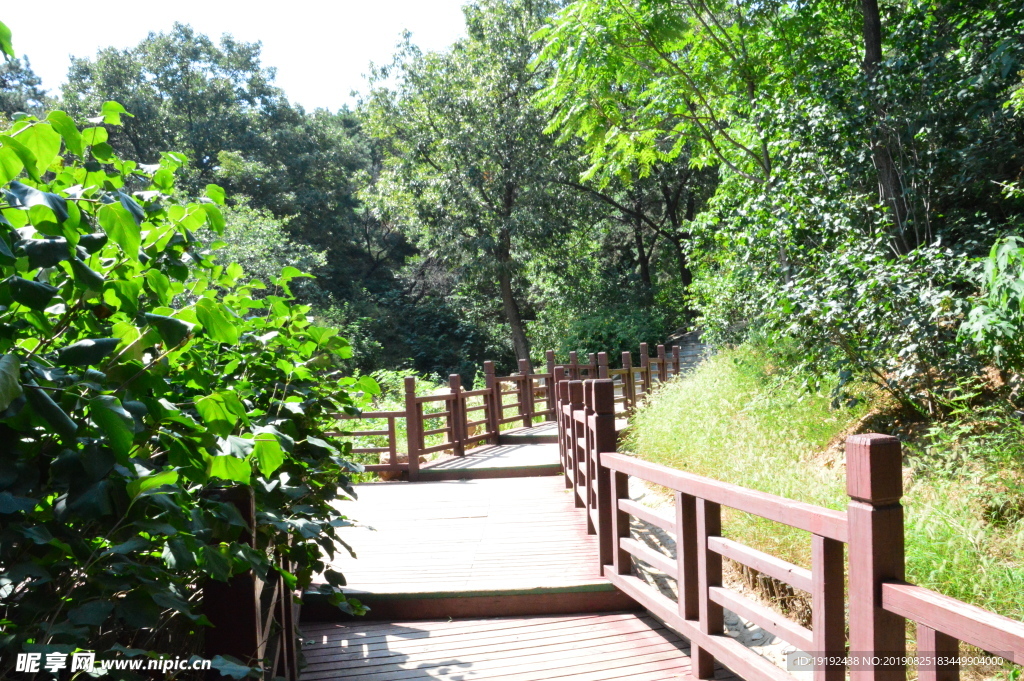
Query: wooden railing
point(521, 398)
point(879, 602)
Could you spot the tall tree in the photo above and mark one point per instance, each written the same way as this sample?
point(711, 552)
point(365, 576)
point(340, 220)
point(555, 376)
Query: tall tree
point(470, 168)
point(20, 88)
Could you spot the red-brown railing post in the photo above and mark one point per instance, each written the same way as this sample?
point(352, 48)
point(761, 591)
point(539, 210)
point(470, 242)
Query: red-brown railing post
point(457, 415)
point(662, 364)
point(602, 425)
point(526, 393)
point(592, 366)
point(574, 366)
point(874, 481)
point(561, 387)
point(677, 360)
point(686, 556)
point(549, 383)
point(234, 606)
point(602, 365)
point(645, 368)
point(575, 432)
point(628, 386)
point(493, 401)
point(941, 652)
point(709, 574)
point(622, 561)
point(413, 427)
point(828, 625)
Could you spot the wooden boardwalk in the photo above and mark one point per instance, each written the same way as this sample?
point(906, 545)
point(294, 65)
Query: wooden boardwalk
point(439, 558)
point(463, 548)
point(603, 647)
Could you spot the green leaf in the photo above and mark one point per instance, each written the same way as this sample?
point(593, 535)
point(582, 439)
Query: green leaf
point(63, 124)
point(112, 112)
point(7, 256)
point(6, 46)
point(50, 411)
point(93, 613)
point(268, 453)
point(44, 252)
point(92, 242)
point(10, 380)
point(133, 208)
point(160, 285)
point(44, 143)
point(217, 322)
point(221, 412)
point(10, 162)
point(86, 277)
point(143, 485)
point(86, 352)
point(32, 294)
point(94, 136)
point(25, 158)
point(229, 666)
point(115, 422)
point(12, 504)
point(121, 227)
point(229, 468)
point(172, 331)
point(215, 218)
point(216, 193)
point(30, 196)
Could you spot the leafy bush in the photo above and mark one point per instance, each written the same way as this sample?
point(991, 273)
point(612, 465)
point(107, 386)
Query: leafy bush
point(141, 379)
point(996, 322)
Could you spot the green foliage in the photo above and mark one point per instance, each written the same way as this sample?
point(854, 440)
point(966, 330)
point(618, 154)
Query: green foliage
point(143, 384)
point(996, 322)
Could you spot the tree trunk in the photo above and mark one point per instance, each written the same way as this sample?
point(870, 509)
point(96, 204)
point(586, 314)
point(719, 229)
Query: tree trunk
point(642, 256)
point(890, 185)
point(511, 308)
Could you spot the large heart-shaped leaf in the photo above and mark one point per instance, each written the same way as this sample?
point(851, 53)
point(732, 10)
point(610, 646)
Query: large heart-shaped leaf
point(50, 411)
point(10, 380)
point(120, 226)
point(143, 485)
point(171, 330)
point(30, 196)
point(115, 422)
point(217, 322)
point(32, 294)
point(86, 352)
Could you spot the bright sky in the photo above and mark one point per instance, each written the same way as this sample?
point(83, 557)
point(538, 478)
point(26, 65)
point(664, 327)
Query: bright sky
point(321, 49)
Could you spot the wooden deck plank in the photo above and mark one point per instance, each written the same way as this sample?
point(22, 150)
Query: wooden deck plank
point(606, 647)
point(473, 535)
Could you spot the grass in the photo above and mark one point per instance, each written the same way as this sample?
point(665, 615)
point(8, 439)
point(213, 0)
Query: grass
point(742, 419)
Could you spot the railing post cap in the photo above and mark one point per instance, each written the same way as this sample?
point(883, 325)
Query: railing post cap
point(576, 392)
point(604, 395)
point(410, 383)
point(874, 468)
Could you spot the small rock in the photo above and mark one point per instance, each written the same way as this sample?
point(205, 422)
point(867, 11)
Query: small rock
point(731, 619)
point(757, 635)
point(732, 632)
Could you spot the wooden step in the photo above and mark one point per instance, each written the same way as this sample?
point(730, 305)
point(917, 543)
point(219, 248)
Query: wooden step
point(496, 461)
point(540, 433)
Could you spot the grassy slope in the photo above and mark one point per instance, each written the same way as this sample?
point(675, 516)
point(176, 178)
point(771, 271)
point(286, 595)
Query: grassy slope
point(738, 419)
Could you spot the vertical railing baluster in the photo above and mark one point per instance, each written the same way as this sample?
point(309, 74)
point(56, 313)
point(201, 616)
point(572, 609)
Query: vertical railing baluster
point(457, 415)
point(493, 401)
point(604, 440)
point(828, 626)
point(687, 583)
point(526, 393)
point(936, 647)
point(628, 387)
point(575, 431)
point(709, 574)
point(602, 365)
point(413, 427)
